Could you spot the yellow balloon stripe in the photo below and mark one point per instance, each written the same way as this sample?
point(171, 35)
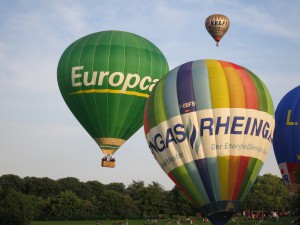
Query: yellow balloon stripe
point(220, 99)
point(223, 167)
point(235, 87)
point(110, 91)
point(218, 85)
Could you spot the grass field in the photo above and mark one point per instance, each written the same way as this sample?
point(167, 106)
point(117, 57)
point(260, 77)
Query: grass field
point(240, 221)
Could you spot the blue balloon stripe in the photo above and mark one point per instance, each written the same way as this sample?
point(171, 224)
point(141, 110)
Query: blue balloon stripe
point(203, 171)
point(212, 166)
point(193, 172)
point(170, 94)
point(193, 137)
point(185, 88)
point(201, 85)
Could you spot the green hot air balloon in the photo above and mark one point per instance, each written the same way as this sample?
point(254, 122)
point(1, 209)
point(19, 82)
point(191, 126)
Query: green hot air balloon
point(105, 79)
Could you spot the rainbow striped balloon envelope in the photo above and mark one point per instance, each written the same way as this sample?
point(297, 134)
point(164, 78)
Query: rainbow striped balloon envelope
point(209, 125)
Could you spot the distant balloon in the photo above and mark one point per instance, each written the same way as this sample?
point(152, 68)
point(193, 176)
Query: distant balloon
point(105, 79)
point(209, 125)
point(217, 25)
point(286, 141)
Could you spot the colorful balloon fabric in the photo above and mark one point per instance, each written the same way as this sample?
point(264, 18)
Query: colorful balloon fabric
point(286, 139)
point(217, 25)
point(209, 125)
point(105, 79)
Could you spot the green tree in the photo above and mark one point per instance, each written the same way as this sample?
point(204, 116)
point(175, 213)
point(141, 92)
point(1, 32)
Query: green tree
point(179, 203)
point(37, 205)
point(74, 185)
point(10, 181)
point(15, 208)
point(119, 187)
point(94, 189)
point(66, 204)
point(268, 193)
point(86, 208)
point(128, 207)
point(110, 204)
point(135, 191)
point(41, 187)
point(151, 200)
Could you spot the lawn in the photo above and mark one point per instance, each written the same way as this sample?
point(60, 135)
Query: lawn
point(240, 221)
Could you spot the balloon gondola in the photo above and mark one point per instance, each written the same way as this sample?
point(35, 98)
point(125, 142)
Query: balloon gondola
point(209, 125)
point(105, 79)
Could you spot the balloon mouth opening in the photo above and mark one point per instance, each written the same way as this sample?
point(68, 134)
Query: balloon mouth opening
point(220, 212)
point(220, 218)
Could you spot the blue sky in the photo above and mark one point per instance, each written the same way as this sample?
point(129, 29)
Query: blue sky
point(39, 135)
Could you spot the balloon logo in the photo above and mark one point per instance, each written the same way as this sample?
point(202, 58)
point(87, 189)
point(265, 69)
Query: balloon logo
point(286, 139)
point(217, 25)
point(105, 79)
point(209, 125)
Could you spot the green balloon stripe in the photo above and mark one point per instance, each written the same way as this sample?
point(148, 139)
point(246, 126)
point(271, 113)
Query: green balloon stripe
point(159, 103)
point(150, 110)
point(183, 178)
point(264, 99)
point(80, 102)
point(250, 177)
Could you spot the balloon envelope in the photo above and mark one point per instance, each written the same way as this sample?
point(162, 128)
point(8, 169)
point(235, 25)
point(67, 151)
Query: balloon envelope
point(209, 125)
point(105, 79)
point(217, 25)
point(286, 139)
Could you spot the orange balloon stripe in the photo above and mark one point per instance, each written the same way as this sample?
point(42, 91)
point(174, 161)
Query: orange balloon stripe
point(243, 166)
point(234, 85)
point(251, 96)
point(234, 162)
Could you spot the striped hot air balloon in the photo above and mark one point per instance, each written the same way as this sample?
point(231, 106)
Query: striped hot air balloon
point(209, 125)
point(105, 79)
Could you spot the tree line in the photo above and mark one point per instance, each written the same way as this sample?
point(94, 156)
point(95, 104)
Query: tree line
point(45, 198)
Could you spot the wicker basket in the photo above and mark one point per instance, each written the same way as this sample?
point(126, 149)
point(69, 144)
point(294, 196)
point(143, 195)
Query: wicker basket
point(110, 164)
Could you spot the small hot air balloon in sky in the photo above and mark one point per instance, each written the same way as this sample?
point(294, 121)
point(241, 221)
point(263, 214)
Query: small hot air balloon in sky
point(209, 125)
point(286, 140)
point(217, 25)
point(105, 79)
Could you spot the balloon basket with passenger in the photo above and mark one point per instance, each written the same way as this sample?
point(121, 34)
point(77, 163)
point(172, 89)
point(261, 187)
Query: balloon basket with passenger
point(108, 161)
